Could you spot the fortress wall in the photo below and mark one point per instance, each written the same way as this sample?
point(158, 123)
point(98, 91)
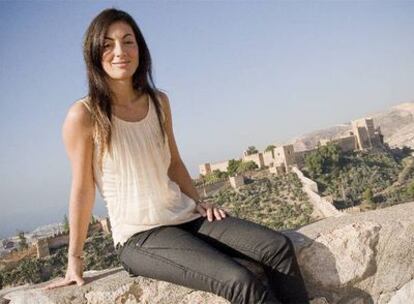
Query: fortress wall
point(324, 205)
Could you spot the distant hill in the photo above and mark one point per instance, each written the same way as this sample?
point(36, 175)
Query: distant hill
point(397, 126)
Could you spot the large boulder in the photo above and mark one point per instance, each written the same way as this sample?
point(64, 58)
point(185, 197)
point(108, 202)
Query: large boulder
point(353, 259)
point(360, 258)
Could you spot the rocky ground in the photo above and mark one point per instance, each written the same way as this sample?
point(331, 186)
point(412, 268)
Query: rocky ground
point(359, 258)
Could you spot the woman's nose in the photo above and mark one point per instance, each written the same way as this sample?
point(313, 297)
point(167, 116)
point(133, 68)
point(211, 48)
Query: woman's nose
point(119, 49)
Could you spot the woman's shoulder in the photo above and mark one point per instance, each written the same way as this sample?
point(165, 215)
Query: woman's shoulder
point(164, 101)
point(85, 101)
point(160, 93)
point(79, 113)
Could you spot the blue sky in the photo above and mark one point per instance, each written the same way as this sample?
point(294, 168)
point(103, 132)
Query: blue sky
point(238, 73)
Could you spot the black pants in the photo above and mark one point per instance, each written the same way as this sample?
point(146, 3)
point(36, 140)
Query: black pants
point(199, 255)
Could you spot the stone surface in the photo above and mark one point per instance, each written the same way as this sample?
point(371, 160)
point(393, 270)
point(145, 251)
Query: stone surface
point(367, 256)
point(349, 255)
point(404, 295)
point(352, 259)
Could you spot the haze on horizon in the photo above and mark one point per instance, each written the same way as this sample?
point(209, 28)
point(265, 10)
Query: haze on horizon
point(237, 74)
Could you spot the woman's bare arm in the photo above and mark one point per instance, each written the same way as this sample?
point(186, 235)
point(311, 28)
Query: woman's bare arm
point(77, 137)
point(178, 171)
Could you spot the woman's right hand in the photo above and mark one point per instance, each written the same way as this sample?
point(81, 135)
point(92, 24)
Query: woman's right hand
point(74, 274)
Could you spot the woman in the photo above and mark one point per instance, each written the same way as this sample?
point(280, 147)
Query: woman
point(120, 137)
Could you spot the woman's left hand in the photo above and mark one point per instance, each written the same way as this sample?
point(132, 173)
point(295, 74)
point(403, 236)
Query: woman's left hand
point(210, 210)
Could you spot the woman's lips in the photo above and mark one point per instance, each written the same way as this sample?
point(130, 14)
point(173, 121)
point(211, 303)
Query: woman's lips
point(121, 64)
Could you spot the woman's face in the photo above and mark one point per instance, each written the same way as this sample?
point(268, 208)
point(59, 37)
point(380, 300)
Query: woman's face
point(120, 55)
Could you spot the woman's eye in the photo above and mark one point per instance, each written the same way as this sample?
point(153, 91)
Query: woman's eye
point(108, 45)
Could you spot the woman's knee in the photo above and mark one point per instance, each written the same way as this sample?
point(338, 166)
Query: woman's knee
point(278, 246)
point(287, 241)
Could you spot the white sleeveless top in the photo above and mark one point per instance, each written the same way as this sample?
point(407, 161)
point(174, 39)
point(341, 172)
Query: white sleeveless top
point(134, 184)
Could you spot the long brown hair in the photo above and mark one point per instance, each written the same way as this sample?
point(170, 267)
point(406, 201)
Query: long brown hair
point(99, 91)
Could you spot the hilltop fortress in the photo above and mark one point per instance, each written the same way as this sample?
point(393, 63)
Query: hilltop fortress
point(364, 136)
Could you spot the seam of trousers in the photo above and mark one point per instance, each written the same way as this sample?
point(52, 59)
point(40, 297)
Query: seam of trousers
point(168, 261)
point(243, 247)
point(251, 249)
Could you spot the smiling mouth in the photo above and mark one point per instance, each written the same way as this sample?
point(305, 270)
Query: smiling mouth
point(124, 62)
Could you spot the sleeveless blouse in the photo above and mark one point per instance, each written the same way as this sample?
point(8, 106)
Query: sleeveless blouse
point(134, 184)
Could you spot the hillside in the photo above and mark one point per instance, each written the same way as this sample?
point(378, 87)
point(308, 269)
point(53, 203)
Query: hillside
point(397, 126)
point(381, 177)
point(274, 201)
